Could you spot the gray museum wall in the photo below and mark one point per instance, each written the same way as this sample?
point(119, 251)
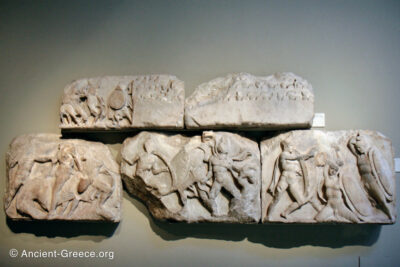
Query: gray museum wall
point(348, 50)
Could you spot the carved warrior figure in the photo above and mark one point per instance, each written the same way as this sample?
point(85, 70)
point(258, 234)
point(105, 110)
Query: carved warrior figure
point(69, 167)
point(224, 171)
point(293, 178)
point(50, 179)
point(114, 102)
point(332, 193)
point(209, 169)
point(374, 171)
point(84, 106)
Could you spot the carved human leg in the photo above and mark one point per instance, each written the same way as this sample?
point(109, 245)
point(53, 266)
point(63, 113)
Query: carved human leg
point(296, 191)
point(280, 190)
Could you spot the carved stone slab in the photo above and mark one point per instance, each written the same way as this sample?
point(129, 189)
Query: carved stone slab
point(334, 177)
point(215, 177)
point(242, 100)
point(118, 102)
point(61, 179)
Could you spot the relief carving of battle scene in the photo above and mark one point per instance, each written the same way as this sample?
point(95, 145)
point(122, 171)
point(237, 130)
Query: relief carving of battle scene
point(54, 179)
point(212, 177)
point(97, 103)
point(315, 176)
point(242, 100)
point(118, 102)
point(297, 176)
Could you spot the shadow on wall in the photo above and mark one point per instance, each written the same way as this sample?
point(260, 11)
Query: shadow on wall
point(111, 137)
point(272, 235)
point(64, 228)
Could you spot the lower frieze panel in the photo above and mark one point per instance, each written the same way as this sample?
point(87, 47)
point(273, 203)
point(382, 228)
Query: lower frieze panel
point(50, 178)
point(214, 177)
point(303, 176)
point(328, 177)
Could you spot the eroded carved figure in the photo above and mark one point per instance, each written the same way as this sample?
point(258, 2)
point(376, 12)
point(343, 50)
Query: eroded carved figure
point(213, 177)
point(50, 178)
point(117, 102)
point(279, 101)
point(375, 172)
point(315, 176)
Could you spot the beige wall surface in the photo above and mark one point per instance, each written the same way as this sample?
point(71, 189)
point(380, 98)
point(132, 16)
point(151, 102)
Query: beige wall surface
point(348, 50)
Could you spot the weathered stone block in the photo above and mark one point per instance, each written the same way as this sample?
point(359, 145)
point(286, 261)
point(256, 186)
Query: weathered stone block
point(335, 177)
point(49, 178)
point(245, 101)
point(123, 102)
point(215, 177)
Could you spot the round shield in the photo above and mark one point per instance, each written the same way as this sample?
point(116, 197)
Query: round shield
point(117, 99)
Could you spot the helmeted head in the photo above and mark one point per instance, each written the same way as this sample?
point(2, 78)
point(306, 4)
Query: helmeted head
point(67, 154)
point(286, 146)
point(333, 168)
point(223, 146)
point(361, 144)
